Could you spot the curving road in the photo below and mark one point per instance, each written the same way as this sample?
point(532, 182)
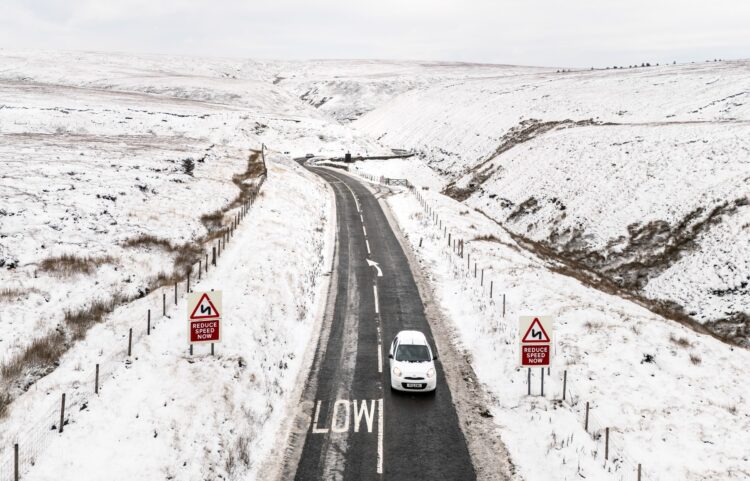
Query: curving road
point(360, 429)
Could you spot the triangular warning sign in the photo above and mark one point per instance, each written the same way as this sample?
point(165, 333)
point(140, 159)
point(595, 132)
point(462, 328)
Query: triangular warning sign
point(536, 333)
point(205, 309)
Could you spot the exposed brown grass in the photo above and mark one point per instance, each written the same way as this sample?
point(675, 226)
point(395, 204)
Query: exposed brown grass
point(79, 321)
point(70, 264)
point(147, 240)
point(695, 359)
point(487, 237)
point(4, 403)
point(681, 341)
point(13, 293)
point(44, 353)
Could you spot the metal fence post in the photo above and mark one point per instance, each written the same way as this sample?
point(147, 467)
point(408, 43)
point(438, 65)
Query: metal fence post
point(16, 474)
point(62, 413)
point(606, 444)
point(586, 422)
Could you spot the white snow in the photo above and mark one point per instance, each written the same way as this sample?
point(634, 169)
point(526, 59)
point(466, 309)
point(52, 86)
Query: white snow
point(181, 416)
point(680, 419)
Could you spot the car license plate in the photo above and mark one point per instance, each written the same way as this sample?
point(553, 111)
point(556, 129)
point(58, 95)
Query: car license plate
point(414, 385)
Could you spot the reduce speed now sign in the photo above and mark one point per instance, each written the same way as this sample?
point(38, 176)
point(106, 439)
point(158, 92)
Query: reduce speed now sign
point(535, 334)
point(204, 317)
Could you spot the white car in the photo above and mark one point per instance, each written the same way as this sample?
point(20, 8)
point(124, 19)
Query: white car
point(412, 363)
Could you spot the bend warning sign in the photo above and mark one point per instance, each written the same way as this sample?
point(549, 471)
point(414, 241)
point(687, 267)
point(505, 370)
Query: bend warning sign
point(535, 334)
point(204, 316)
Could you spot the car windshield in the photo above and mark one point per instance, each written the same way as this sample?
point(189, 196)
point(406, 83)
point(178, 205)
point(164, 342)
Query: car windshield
point(413, 353)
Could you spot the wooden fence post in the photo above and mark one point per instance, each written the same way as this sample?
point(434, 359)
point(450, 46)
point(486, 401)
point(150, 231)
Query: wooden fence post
point(481, 282)
point(449, 239)
point(200, 267)
point(96, 380)
point(565, 382)
point(175, 293)
point(148, 324)
point(163, 304)
point(213, 257)
point(188, 279)
point(420, 242)
point(503, 305)
point(130, 341)
point(586, 422)
point(475, 270)
point(639, 471)
point(62, 413)
point(206, 262)
point(468, 261)
point(491, 285)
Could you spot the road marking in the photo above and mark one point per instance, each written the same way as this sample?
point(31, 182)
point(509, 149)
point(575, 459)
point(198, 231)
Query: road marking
point(364, 230)
point(347, 413)
point(374, 264)
point(380, 358)
point(361, 218)
point(380, 436)
point(335, 416)
point(368, 247)
point(315, 428)
point(368, 414)
point(377, 307)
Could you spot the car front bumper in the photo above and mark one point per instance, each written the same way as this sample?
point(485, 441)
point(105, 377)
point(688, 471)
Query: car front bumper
point(414, 385)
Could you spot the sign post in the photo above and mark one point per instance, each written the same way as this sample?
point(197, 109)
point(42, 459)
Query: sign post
point(535, 335)
point(204, 317)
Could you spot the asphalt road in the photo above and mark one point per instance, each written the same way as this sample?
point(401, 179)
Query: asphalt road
point(360, 429)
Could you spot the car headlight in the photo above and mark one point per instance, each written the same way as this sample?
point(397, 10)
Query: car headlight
point(397, 372)
point(430, 373)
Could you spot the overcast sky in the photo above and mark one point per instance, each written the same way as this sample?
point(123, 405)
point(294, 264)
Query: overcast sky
point(577, 33)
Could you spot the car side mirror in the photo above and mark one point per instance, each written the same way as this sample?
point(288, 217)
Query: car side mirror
point(390, 356)
point(434, 358)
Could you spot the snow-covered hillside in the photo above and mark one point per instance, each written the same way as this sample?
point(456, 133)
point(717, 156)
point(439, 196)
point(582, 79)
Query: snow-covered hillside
point(641, 175)
point(346, 89)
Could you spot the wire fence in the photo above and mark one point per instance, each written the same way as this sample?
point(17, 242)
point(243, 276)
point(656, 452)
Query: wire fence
point(487, 297)
point(30, 442)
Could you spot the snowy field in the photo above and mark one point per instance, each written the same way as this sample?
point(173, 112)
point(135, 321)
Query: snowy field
point(638, 174)
point(117, 172)
point(164, 407)
point(641, 175)
point(674, 400)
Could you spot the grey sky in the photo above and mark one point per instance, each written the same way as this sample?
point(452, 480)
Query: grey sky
point(532, 32)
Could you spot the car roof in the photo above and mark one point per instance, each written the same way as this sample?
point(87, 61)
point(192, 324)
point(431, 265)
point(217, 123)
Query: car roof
point(411, 337)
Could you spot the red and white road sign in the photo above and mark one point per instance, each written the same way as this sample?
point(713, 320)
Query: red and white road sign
point(535, 335)
point(204, 316)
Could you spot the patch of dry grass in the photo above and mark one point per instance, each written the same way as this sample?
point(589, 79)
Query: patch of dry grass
point(44, 353)
point(70, 264)
point(695, 359)
point(79, 321)
point(681, 341)
point(12, 293)
point(486, 237)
